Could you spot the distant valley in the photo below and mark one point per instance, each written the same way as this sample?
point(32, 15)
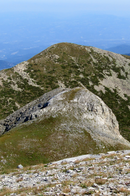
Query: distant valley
point(120, 49)
point(5, 65)
point(25, 35)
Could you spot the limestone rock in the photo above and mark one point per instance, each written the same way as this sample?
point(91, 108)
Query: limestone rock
point(83, 110)
point(20, 166)
point(2, 129)
point(25, 113)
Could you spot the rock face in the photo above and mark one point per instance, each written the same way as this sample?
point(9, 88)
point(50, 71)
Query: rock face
point(26, 113)
point(82, 110)
point(79, 111)
point(2, 129)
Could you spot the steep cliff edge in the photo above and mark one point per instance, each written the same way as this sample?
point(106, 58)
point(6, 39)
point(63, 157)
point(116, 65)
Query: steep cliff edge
point(26, 113)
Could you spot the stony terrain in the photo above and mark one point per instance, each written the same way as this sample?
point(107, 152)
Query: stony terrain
point(101, 174)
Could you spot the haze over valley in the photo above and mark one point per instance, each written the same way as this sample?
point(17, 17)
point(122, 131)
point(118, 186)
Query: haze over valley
point(23, 35)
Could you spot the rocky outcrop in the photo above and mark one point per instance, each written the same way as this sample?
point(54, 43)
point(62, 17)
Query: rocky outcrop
point(79, 111)
point(82, 110)
point(26, 113)
point(2, 128)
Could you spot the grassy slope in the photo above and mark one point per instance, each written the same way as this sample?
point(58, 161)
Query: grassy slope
point(41, 142)
point(73, 64)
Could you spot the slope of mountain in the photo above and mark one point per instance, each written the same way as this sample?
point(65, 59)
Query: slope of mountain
point(61, 123)
point(66, 65)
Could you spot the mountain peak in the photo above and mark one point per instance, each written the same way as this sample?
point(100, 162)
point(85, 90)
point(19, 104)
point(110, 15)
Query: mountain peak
point(106, 74)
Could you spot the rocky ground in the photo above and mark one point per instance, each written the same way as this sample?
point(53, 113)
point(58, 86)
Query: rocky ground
point(102, 174)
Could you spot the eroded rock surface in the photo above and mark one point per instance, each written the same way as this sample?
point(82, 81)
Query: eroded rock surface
point(83, 110)
point(26, 113)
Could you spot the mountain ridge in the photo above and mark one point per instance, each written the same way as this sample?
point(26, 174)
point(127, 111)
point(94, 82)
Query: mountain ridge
point(65, 65)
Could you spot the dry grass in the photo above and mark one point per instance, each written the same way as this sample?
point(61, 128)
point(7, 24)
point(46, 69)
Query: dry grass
point(100, 181)
point(124, 190)
point(75, 175)
point(5, 191)
point(64, 162)
point(20, 179)
point(25, 191)
point(87, 183)
point(77, 161)
point(23, 194)
point(88, 159)
point(67, 183)
point(66, 189)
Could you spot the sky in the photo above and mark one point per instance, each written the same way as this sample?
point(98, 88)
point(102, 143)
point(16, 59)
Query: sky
point(112, 7)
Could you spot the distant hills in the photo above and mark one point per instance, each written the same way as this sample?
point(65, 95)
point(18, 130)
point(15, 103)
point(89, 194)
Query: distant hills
point(30, 33)
point(23, 55)
point(5, 64)
point(120, 49)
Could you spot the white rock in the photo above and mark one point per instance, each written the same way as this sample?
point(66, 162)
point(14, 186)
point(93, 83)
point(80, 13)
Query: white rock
point(20, 166)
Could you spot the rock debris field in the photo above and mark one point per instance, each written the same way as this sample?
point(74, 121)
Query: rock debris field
point(102, 174)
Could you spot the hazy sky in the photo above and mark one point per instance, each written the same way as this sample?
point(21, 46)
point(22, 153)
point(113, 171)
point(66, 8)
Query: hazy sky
point(114, 7)
point(29, 26)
